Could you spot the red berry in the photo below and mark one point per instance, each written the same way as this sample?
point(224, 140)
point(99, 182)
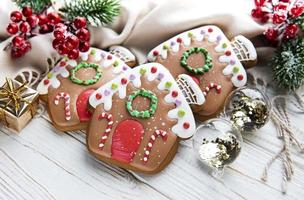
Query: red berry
point(12, 28)
point(27, 11)
point(186, 125)
point(84, 46)
point(56, 43)
point(73, 54)
point(80, 22)
point(278, 18)
point(16, 53)
point(18, 41)
point(271, 34)
point(62, 49)
point(83, 34)
point(257, 13)
point(72, 42)
point(296, 11)
point(291, 31)
point(59, 33)
point(54, 18)
point(24, 27)
point(32, 20)
point(259, 2)
point(42, 19)
point(27, 46)
point(61, 26)
point(174, 93)
point(16, 16)
point(46, 28)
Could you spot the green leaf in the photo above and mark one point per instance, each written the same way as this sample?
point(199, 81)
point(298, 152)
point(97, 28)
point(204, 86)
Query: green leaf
point(36, 5)
point(97, 12)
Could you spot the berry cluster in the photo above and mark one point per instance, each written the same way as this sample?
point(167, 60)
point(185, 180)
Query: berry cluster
point(282, 14)
point(70, 38)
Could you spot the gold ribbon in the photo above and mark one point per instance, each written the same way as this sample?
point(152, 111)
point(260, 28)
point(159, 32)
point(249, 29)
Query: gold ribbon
point(13, 97)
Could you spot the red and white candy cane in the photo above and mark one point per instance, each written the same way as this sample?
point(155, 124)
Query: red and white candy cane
point(105, 134)
point(67, 100)
point(215, 86)
point(156, 134)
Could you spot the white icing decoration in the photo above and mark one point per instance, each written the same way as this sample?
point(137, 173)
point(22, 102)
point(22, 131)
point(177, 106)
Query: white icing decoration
point(134, 76)
point(215, 36)
point(62, 71)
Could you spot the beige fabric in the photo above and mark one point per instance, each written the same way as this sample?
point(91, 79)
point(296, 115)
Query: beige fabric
point(142, 25)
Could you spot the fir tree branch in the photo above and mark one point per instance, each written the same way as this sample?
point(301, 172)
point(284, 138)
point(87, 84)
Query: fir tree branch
point(97, 12)
point(288, 64)
point(36, 5)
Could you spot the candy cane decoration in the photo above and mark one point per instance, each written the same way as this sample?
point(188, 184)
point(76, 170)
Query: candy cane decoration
point(67, 100)
point(157, 133)
point(215, 86)
point(105, 135)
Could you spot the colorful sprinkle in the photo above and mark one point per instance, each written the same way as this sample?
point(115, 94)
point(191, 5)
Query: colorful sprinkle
point(124, 68)
point(172, 43)
point(181, 113)
point(236, 69)
point(219, 38)
point(232, 62)
point(165, 47)
point(178, 102)
point(190, 35)
point(93, 52)
point(142, 71)
point(174, 93)
point(46, 81)
point(98, 96)
point(109, 57)
point(186, 125)
point(155, 53)
point(224, 45)
point(202, 32)
point(168, 84)
point(228, 53)
point(50, 75)
point(123, 81)
point(160, 76)
point(107, 92)
point(153, 70)
point(62, 64)
point(116, 63)
point(114, 86)
point(132, 77)
point(210, 30)
point(240, 77)
point(179, 40)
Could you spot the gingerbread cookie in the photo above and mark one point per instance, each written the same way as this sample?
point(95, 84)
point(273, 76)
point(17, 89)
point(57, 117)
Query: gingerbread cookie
point(214, 62)
point(140, 117)
point(67, 87)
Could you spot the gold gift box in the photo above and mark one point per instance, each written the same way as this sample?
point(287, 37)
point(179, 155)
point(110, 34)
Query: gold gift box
point(18, 104)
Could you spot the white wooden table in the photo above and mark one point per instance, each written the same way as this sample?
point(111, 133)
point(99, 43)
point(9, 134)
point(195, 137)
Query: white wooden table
point(43, 163)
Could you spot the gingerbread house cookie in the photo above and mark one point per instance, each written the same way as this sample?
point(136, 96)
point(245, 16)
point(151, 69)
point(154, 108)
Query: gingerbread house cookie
point(140, 117)
point(213, 61)
point(67, 87)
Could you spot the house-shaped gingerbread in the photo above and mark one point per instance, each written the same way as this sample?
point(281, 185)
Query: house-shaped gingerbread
point(67, 87)
point(139, 118)
point(211, 59)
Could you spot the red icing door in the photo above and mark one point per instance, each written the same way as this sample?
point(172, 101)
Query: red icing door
point(126, 140)
point(82, 106)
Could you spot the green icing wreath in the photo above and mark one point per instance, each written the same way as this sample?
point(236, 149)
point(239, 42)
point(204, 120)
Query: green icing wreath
point(92, 81)
point(145, 113)
point(200, 70)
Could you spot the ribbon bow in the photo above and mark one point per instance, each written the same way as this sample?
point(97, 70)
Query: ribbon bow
point(14, 98)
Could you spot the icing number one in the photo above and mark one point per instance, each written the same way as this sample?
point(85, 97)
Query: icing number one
point(67, 100)
point(156, 134)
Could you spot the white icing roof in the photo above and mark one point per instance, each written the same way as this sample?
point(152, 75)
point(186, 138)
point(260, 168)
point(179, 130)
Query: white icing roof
point(214, 34)
point(104, 59)
point(166, 79)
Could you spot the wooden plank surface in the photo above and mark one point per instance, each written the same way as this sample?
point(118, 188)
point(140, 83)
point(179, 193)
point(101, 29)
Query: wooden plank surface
point(43, 163)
